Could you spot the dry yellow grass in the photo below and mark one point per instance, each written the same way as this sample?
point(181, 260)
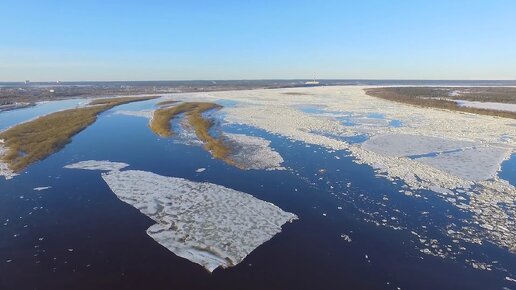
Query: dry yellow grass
point(35, 140)
point(160, 125)
point(166, 103)
point(438, 98)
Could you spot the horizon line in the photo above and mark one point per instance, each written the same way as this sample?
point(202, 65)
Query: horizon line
point(257, 79)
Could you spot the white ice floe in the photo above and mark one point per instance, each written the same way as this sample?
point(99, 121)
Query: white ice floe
point(41, 188)
point(208, 224)
point(475, 164)
point(346, 238)
point(97, 165)
point(199, 170)
point(252, 152)
point(510, 279)
point(487, 105)
point(406, 145)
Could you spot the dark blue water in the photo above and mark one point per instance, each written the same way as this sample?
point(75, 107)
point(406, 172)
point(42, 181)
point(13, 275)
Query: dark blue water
point(508, 170)
point(78, 235)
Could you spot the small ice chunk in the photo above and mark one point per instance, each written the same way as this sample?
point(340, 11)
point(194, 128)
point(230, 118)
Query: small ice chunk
point(199, 170)
point(42, 188)
point(510, 279)
point(346, 238)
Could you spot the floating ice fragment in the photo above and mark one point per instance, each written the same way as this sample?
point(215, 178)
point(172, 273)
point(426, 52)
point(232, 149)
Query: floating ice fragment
point(409, 145)
point(252, 152)
point(473, 164)
point(346, 238)
point(200, 170)
point(42, 188)
point(208, 224)
point(510, 279)
point(97, 165)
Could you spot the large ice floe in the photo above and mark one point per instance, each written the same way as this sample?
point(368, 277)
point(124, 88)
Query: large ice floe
point(464, 159)
point(206, 223)
point(453, 154)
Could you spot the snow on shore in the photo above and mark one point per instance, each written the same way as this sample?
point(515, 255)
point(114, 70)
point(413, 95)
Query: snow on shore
point(4, 167)
point(487, 105)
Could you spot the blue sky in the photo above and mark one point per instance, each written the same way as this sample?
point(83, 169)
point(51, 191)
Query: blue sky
point(178, 40)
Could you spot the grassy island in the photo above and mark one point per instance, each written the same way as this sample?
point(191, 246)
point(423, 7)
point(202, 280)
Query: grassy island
point(160, 124)
point(35, 140)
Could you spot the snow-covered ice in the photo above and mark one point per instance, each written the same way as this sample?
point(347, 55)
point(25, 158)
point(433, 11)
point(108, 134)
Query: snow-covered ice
point(487, 105)
point(41, 188)
point(251, 152)
point(475, 164)
point(97, 165)
point(406, 145)
point(208, 224)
